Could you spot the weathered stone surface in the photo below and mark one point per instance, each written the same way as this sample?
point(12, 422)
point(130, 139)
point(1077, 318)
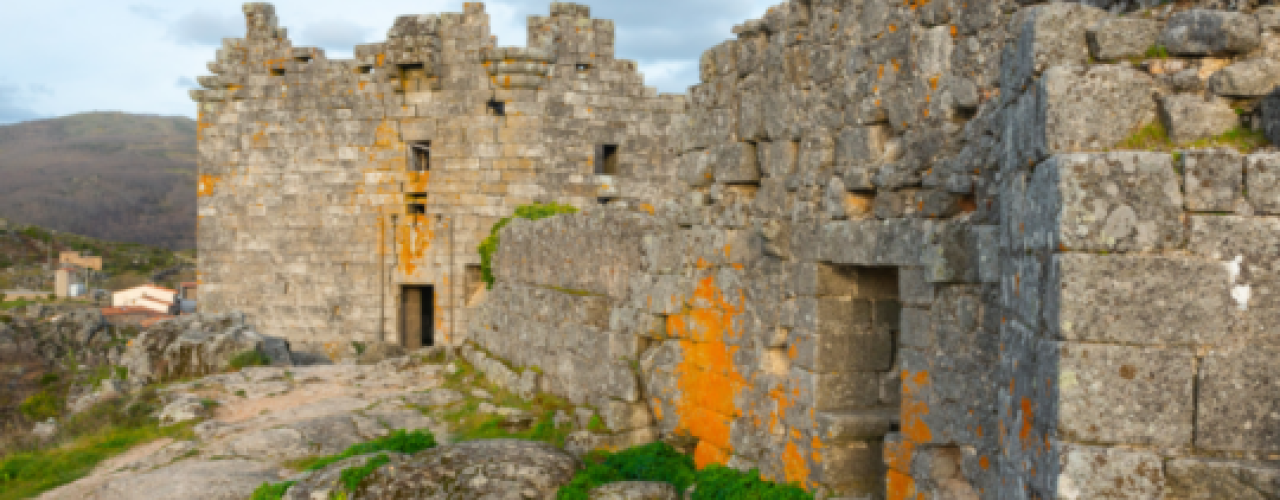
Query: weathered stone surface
point(1089, 472)
point(1095, 202)
point(194, 346)
point(1214, 179)
point(1251, 78)
point(1091, 108)
point(1190, 117)
point(1209, 479)
point(1048, 35)
point(1245, 247)
point(231, 479)
point(1137, 299)
point(1121, 38)
point(1236, 409)
point(1200, 32)
point(183, 409)
point(1263, 172)
point(498, 468)
point(326, 482)
point(1120, 394)
point(635, 490)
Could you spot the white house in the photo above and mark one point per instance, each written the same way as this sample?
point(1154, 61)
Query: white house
point(155, 298)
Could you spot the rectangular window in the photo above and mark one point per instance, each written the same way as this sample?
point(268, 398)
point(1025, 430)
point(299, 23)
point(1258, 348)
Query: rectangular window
point(420, 156)
point(364, 70)
point(583, 68)
point(303, 59)
point(417, 209)
point(277, 72)
point(607, 159)
point(497, 108)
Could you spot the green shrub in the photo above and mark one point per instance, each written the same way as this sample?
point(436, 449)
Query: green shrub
point(661, 462)
point(351, 478)
point(717, 482)
point(42, 405)
point(251, 357)
point(532, 212)
point(271, 491)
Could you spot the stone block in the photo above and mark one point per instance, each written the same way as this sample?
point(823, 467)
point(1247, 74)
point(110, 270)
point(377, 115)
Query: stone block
point(1200, 32)
point(1238, 409)
point(1122, 37)
point(1136, 299)
point(1263, 172)
point(1251, 78)
point(1191, 117)
point(849, 242)
point(1047, 35)
point(844, 340)
point(861, 145)
point(1214, 179)
point(835, 391)
point(1091, 108)
point(1090, 472)
point(737, 163)
point(1095, 202)
point(778, 158)
point(1125, 395)
point(1211, 479)
point(1246, 248)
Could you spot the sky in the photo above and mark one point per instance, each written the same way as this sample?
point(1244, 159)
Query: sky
point(61, 57)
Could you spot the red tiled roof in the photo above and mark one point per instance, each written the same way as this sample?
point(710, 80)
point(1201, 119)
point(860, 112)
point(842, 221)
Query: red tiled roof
point(115, 311)
point(187, 284)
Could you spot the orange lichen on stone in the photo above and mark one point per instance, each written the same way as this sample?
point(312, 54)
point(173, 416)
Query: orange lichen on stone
point(416, 182)
point(794, 465)
point(1028, 422)
point(206, 184)
point(707, 379)
point(900, 486)
point(413, 239)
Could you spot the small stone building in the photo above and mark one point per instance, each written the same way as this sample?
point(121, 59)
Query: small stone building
point(926, 249)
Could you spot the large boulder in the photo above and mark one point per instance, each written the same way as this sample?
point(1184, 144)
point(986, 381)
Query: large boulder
point(475, 470)
point(229, 479)
point(325, 482)
point(196, 345)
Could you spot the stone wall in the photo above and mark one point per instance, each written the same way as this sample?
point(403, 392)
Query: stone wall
point(935, 249)
point(919, 257)
point(312, 213)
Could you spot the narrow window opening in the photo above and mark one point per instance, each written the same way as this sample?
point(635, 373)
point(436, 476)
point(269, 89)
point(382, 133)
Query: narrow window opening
point(607, 159)
point(420, 156)
point(303, 59)
point(497, 108)
point(475, 284)
point(364, 70)
point(582, 68)
point(417, 209)
point(277, 72)
point(604, 200)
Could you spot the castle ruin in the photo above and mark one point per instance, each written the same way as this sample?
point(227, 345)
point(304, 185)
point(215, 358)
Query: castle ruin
point(885, 249)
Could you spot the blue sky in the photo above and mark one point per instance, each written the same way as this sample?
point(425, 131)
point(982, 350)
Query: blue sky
point(62, 57)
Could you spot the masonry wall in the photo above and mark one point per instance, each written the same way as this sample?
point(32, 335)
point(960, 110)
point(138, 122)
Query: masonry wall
point(307, 193)
point(921, 255)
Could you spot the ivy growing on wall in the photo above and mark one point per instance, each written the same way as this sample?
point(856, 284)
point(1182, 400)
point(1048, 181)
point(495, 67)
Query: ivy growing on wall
point(532, 212)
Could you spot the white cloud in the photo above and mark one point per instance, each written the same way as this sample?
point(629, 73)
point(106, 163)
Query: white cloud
point(201, 27)
point(147, 11)
point(144, 54)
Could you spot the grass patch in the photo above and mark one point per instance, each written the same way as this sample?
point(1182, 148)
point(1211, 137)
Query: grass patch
point(467, 423)
point(252, 357)
point(400, 441)
point(661, 462)
point(85, 440)
point(1154, 137)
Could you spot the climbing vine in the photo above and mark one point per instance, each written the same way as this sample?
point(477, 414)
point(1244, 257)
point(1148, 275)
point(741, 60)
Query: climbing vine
point(532, 212)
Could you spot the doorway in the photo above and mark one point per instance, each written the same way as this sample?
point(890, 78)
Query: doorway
point(417, 316)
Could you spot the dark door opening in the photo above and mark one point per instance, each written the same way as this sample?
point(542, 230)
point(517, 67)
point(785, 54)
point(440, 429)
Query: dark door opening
point(417, 316)
point(607, 159)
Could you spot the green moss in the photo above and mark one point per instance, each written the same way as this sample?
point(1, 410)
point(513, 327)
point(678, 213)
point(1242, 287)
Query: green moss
point(252, 357)
point(271, 491)
point(489, 245)
point(1154, 137)
point(1157, 52)
point(400, 441)
point(596, 424)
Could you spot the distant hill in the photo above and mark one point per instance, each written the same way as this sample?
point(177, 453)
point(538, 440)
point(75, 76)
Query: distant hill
point(112, 176)
point(25, 250)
